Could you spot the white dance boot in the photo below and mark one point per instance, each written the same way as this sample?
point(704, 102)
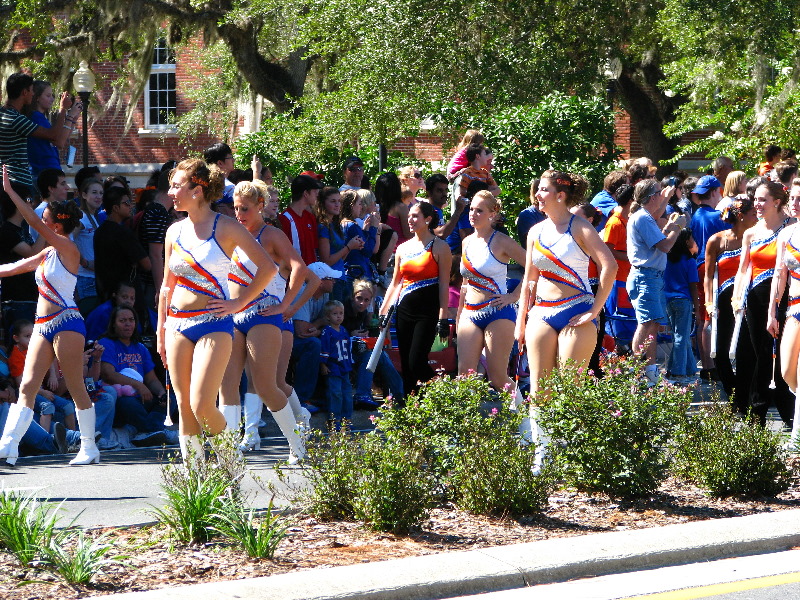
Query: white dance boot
point(252, 415)
point(793, 445)
point(301, 414)
point(532, 433)
point(88, 453)
point(233, 416)
point(17, 423)
point(285, 420)
point(192, 450)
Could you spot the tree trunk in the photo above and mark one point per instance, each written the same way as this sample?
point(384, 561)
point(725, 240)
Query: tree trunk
point(650, 110)
point(279, 84)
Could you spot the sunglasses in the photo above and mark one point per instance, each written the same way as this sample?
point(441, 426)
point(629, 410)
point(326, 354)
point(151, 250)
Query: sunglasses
point(417, 175)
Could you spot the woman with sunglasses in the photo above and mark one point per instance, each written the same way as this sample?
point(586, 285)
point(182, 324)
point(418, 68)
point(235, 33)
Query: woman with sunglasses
point(411, 179)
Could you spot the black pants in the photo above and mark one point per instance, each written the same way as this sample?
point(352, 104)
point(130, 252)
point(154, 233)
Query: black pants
point(417, 315)
point(736, 385)
point(761, 396)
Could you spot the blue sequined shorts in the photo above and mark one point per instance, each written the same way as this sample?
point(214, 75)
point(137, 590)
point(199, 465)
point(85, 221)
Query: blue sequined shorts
point(245, 322)
point(193, 325)
point(483, 314)
point(558, 313)
point(67, 319)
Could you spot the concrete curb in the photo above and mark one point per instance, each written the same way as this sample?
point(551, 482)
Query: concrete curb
point(508, 567)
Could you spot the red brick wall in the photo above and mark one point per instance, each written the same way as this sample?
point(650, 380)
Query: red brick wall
point(108, 140)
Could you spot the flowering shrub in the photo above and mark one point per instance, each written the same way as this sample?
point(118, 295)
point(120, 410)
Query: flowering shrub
point(611, 435)
point(728, 456)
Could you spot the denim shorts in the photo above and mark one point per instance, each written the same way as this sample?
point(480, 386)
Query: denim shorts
point(646, 290)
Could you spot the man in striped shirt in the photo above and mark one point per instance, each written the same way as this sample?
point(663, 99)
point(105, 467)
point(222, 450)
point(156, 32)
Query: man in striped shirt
point(16, 128)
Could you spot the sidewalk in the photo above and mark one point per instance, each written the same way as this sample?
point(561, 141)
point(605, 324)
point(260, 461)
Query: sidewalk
point(511, 567)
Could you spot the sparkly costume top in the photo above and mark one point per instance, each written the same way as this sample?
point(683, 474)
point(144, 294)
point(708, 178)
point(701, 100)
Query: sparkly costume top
point(562, 261)
point(242, 272)
point(203, 269)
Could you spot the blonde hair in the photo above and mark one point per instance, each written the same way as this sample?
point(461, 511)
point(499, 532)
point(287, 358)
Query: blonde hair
point(407, 172)
point(471, 136)
point(494, 203)
point(255, 191)
point(367, 197)
point(732, 183)
point(363, 285)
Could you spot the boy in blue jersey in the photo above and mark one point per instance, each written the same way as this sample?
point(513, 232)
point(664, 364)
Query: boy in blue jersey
point(337, 363)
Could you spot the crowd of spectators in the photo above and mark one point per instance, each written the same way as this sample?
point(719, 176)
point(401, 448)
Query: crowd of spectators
point(360, 239)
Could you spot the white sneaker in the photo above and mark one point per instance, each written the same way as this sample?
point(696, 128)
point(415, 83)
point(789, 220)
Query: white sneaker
point(652, 377)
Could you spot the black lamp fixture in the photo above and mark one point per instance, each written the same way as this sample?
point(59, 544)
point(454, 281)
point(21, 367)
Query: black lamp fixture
point(83, 82)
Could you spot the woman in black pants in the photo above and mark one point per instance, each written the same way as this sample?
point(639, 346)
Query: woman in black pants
point(759, 253)
point(420, 285)
point(723, 251)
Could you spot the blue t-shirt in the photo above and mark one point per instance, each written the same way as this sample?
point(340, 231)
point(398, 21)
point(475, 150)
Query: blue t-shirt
point(336, 244)
point(705, 222)
point(527, 219)
point(643, 234)
point(361, 258)
point(42, 154)
point(454, 239)
point(336, 352)
point(135, 356)
point(605, 203)
point(677, 277)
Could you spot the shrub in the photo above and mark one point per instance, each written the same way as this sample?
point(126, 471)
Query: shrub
point(86, 558)
point(26, 525)
point(494, 476)
point(258, 538)
point(394, 490)
point(331, 469)
point(611, 435)
point(728, 456)
point(197, 491)
point(444, 419)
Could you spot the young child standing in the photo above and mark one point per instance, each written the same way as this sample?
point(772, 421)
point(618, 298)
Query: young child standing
point(680, 289)
point(337, 363)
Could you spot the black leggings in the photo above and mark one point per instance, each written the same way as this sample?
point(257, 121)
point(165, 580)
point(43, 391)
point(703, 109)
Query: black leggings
point(736, 385)
point(761, 396)
point(417, 315)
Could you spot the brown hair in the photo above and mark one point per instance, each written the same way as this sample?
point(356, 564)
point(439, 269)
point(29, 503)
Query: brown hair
point(573, 185)
point(209, 177)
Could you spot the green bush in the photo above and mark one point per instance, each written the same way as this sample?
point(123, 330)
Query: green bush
point(331, 469)
point(569, 132)
point(494, 476)
point(611, 435)
point(199, 490)
point(78, 558)
point(729, 456)
point(394, 490)
point(445, 418)
point(26, 526)
point(258, 538)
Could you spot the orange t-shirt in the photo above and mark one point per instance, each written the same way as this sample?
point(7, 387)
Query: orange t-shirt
point(16, 362)
point(615, 235)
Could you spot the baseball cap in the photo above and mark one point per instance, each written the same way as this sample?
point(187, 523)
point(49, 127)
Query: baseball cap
point(317, 176)
point(323, 271)
point(353, 160)
point(705, 184)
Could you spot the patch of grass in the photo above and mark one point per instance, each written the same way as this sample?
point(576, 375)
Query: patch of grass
point(78, 558)
point(26, 526)
point(259, 538)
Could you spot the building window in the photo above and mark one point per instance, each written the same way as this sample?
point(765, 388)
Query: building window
point(161, 103)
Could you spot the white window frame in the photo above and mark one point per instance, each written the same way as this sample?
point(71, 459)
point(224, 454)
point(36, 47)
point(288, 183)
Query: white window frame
point(157, 128)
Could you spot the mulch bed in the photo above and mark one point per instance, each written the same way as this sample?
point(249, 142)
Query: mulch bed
point(155, 562)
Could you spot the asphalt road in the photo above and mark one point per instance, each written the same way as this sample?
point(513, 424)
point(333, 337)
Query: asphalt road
point(126, 484)
point(773, 576)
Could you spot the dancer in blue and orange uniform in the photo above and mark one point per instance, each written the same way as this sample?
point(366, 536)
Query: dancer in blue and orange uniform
point(59, 330)
point(723, 251)
point(788, 267)
point(488, 315)
point(257, 340)
point(562, 324)
point(195, 326)
point(759, 251)
point(420, 286)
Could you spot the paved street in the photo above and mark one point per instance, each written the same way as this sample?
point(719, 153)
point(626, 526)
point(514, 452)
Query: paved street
point(772, 576)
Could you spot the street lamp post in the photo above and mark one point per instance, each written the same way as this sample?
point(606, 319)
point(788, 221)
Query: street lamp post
point(83, 82)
